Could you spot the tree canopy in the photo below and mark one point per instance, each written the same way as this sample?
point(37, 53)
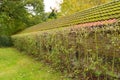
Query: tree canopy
point(16, 15)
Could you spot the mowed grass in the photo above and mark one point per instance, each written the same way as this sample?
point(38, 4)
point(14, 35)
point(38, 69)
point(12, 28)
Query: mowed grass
point(17, 66)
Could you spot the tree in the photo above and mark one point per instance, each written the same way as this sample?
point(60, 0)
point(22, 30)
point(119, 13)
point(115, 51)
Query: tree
point(15, 15)
point(53, 14)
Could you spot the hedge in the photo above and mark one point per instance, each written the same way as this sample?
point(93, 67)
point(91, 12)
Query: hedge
point(81, 52)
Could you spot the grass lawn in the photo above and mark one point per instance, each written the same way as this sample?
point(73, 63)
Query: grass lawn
point(17, 66)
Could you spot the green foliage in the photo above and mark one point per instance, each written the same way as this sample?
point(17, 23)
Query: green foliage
point(70, 7)
point(5, 41)
point(82, 53)
point(53, 15)
point(18, 17)
point(99, 13)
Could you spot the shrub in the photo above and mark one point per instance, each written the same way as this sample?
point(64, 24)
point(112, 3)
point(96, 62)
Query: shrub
point(81, 52)
point(5, 41)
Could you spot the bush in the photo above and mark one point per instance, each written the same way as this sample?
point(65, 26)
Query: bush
point(82, 52)
point(5, 41)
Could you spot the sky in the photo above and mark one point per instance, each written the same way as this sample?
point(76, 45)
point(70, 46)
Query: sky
point(54, 4)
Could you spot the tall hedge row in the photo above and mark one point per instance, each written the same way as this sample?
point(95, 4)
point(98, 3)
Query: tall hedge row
point(83, 53)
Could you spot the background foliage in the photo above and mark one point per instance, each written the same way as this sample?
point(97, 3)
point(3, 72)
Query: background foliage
point(71, 6)
point(102, 14)
point(16, 15)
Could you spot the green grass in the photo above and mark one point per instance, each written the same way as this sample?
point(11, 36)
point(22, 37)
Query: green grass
point(17, 66)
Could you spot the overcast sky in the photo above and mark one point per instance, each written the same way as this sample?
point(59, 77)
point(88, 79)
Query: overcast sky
point(51, 3)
